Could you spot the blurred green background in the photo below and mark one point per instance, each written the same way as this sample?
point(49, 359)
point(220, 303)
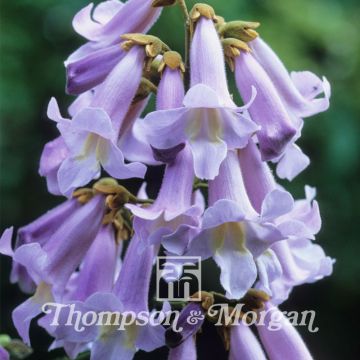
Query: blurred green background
point(317, 35)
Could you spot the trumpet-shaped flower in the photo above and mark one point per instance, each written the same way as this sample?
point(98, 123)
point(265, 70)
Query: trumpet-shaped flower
point(88, 66)
point(233, 233)
point(130, 293)
point(173, 219)
point(209, 121)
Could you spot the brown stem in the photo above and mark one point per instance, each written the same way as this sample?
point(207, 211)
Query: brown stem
point(185, 12)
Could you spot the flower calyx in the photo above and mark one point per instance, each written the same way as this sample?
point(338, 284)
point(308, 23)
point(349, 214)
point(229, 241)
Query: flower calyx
point(242, 30)
point(153, 45)
point(232, 48)
point(173, 60)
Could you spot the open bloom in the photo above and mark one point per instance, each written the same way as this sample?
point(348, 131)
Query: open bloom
point(209, 121)
point(299, 92)
point(267, 109)
point(88, 280)
point(174, 218)
point(91, 142)
point(130, 293)
point(51, 263)
point(88, 66)
point(294, 260)
point(233, 232)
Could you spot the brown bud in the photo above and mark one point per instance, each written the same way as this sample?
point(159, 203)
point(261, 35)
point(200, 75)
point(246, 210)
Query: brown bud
point(232, 48)
point(146, 87)
point(201, 9)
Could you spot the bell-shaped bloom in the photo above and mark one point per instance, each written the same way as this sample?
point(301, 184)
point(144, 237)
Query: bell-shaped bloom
point(51, 265)
point(54, 153)
point(102, 26)
point(283, 343)
point(298, 90)
point(209, 121)
point(39, 231)
point(267, 108)
point(233, 232)
point(300, 259)
point(173, 219)
point(103, 254)
point(91, 140)
point(185, 351)
point(130, 293)
point(244, 345)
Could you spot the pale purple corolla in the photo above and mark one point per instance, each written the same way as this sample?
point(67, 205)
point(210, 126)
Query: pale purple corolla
point(209, 121)
point(39, 231)
point(91, 136)
point(130, 293)
point(51, 263)
point(301, 261)
point(299, 92)
point(233, 232)
point(283, 342)
point(294, 260)
point(267, 109)
point(88, 66)
point(243, 344)
point(97, 273)
point(174, 218)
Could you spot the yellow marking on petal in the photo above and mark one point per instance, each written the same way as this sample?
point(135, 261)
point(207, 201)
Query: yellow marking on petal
point(43, 293)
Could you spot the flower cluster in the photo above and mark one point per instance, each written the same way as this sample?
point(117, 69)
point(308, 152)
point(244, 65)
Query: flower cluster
point(258, 235)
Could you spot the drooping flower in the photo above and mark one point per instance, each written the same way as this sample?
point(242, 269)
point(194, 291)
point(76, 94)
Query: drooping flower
point(209, 122)
point(285, 342)
point(96, 274)
point(299, 92)
point(88, 66)
point(130, 293)
point(173, 219)
point(51, 264)
point(244, 345)
point(233, 232)
point(267, 108)
point(295, 260)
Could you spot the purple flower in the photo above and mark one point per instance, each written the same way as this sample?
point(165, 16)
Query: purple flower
point(103, 254)
point(88, 66)
point(299, 92)
point(91, 141)
point(173, 219)
point(209, 122)
point(284, 342)
point(267, 108)
point(244, 345)
point(301, 261)
point(51, 264)
point(54, 153)
point(233, 233)
point(130, 293)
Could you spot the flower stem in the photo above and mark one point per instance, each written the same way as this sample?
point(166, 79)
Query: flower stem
point(184, 9)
